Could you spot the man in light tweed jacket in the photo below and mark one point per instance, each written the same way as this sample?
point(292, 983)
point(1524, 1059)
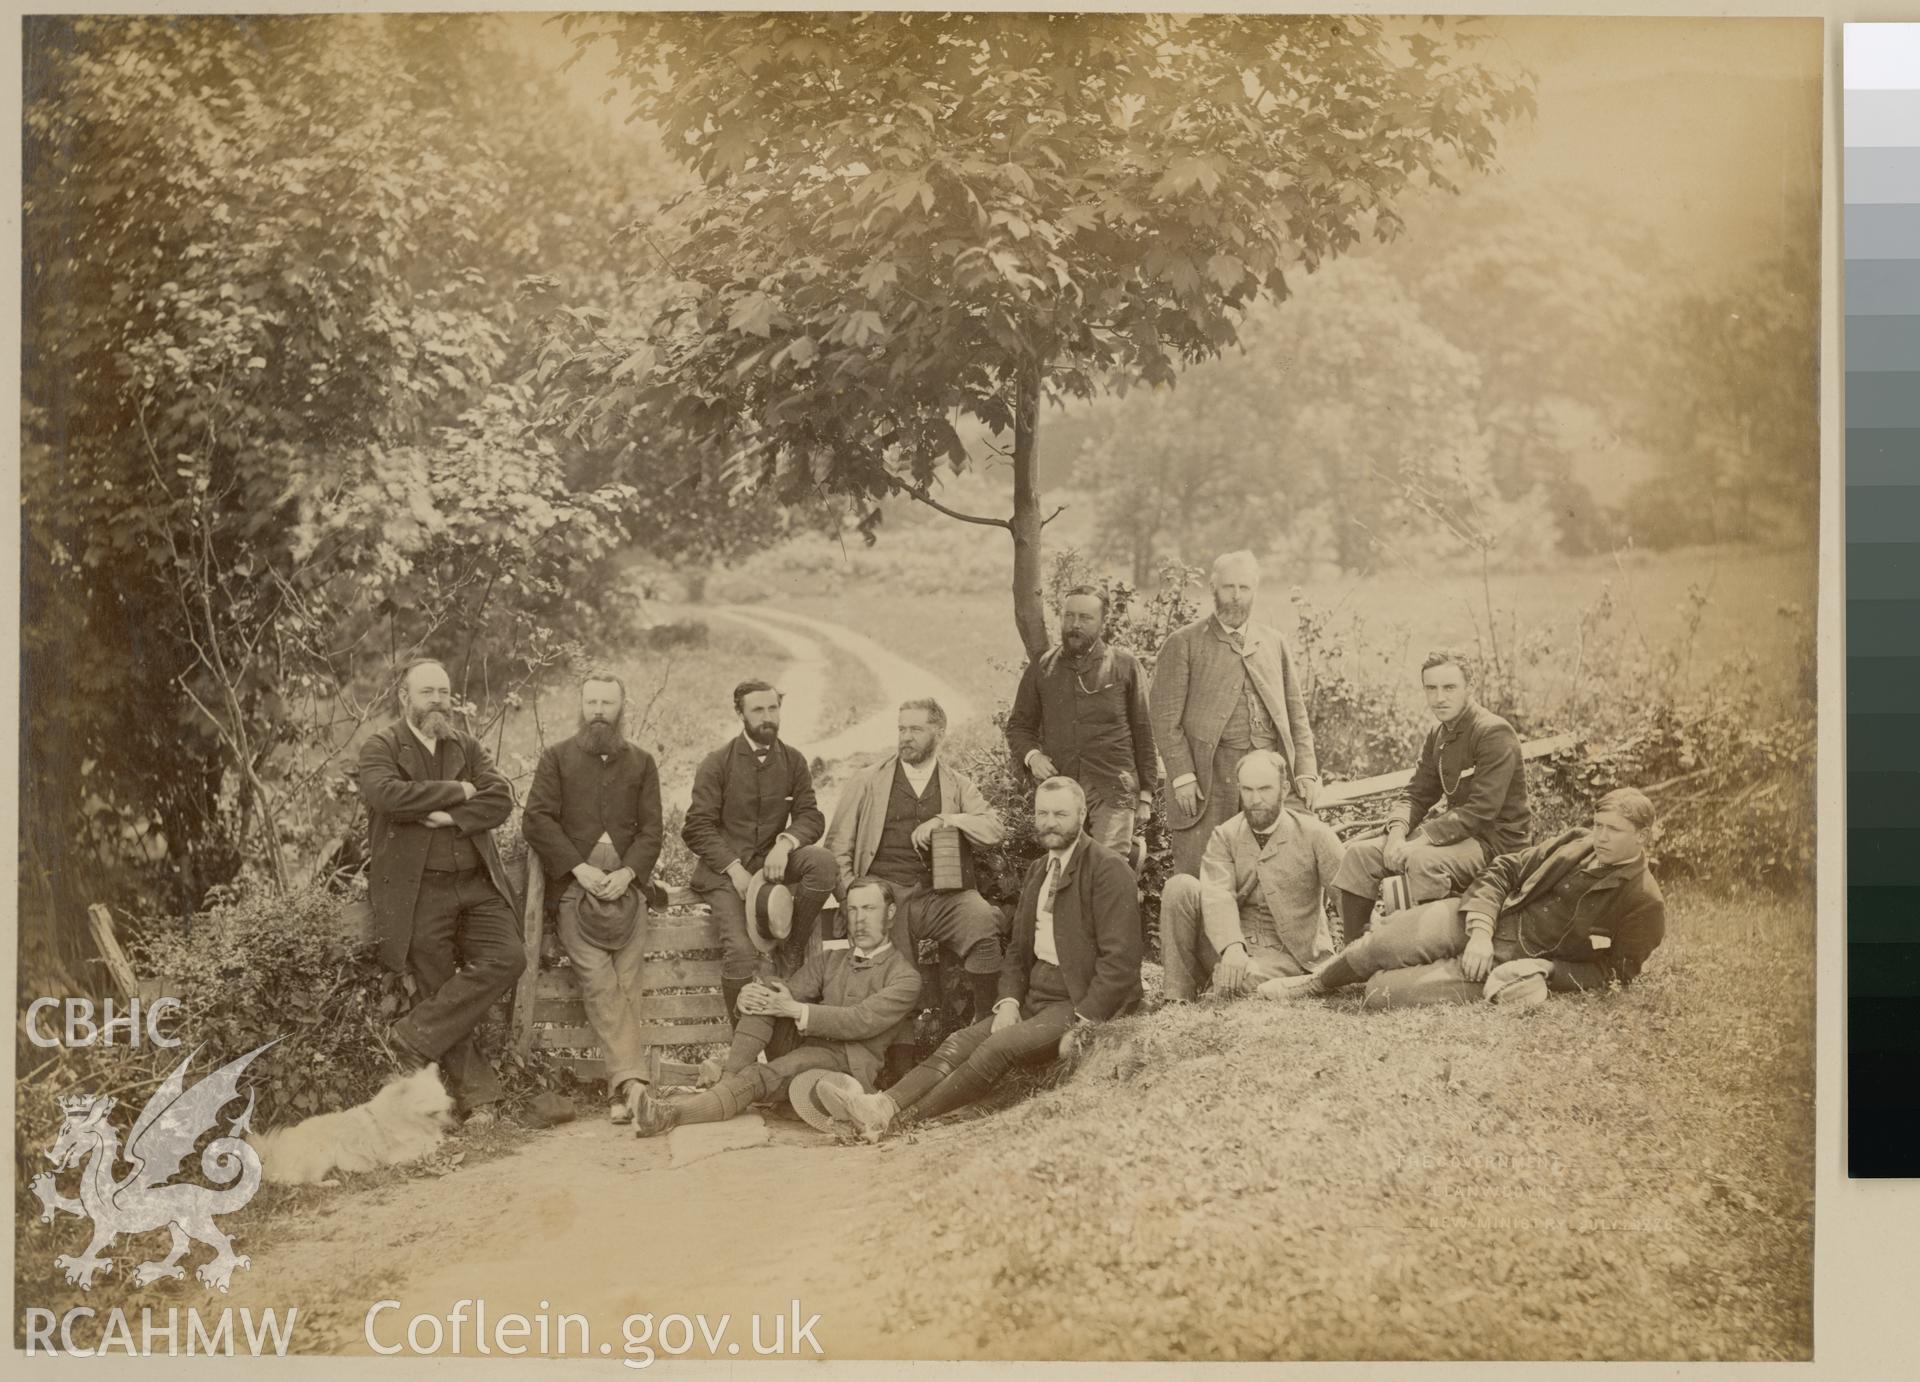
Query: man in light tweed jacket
point(1222, 687)
point(1258, 909)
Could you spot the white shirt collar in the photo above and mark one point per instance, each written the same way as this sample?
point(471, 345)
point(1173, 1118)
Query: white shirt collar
point(872, 954)
point(918, 776)
point(430, 745)
point(1062, 856)
point(754, 748)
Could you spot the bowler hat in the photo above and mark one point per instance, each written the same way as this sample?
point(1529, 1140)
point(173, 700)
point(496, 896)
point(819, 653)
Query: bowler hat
point(769, 912)
point(804, 1094)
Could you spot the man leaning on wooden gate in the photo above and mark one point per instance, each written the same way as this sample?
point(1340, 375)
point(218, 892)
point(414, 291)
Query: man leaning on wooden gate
point(442, 906)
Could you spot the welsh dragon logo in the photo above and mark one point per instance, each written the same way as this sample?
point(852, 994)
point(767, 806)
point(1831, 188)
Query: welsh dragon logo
point(163, 1136)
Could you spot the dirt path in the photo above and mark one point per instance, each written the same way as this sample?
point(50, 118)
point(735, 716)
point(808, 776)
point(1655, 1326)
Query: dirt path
point(588, 1220)
point(814, 645)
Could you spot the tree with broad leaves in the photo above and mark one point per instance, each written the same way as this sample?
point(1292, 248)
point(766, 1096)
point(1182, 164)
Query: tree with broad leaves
point(914, 227)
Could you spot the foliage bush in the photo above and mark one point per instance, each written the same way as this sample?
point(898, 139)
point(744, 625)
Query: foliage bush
point(1728, 766)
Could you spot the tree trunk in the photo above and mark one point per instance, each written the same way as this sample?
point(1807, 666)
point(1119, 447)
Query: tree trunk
point(1029, 607)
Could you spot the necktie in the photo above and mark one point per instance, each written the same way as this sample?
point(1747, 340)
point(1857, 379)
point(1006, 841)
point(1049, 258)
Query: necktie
point(1053, 882)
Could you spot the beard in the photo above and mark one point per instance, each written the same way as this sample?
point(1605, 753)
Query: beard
point(602, 736)
point(1261, 818)
point(763, 734)
point(1233, 613)
point(1052, 837)
point(1076, 642)
point(436, 724)
point(910, 754)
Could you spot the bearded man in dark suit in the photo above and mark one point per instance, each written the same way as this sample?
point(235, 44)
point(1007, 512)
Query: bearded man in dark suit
point(442, 907)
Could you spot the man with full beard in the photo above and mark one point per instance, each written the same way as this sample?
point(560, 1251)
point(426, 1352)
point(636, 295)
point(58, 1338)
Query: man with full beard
point(1222, 687)
point(884, 826)
point(442, 906)
point(1073, 961)
point(1258, 909)
point(1081, 712)
point(593, 821)
point(753, 812)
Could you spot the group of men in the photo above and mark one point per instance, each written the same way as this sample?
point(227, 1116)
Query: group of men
point(1222, 721)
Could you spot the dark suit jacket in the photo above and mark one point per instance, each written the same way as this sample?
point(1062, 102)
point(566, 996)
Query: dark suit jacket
point(730, 817)
point(398, 784)
point(576, 798)
point(1096, 932)
point(1479, 755)
point(1625, 906)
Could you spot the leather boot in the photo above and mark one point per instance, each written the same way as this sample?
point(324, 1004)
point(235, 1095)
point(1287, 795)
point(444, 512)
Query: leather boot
point(1356, 915)
point(986, 992)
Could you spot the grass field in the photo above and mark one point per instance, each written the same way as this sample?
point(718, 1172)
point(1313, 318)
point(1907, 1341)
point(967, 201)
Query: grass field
point(1623, 1176)
point(969, 637)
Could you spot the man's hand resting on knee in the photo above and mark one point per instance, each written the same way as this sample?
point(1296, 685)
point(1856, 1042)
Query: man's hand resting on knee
point(1234, 972)
point(1005, 1013)
point(1477, 959)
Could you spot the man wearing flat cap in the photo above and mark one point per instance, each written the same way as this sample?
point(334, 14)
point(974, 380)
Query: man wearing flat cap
point(594, 824)
point(1580, 911)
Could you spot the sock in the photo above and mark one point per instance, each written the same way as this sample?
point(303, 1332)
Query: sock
point(1356, 914)
point(1336, 973)
point(986, 992)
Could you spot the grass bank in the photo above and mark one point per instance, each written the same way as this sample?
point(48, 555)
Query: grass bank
point(1623, 1176)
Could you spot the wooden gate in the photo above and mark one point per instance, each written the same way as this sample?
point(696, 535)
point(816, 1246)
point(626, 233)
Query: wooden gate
point(679, 980)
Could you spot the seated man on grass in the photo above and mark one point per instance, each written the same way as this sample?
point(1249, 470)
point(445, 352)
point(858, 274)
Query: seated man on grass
point(1466, 804)
point(1074, 960)
point(839, 1011)
point(1258, 909)
point(1575, 912)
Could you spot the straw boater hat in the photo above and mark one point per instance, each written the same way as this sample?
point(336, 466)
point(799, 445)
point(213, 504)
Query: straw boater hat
point(769, 912)
point(804, 1094)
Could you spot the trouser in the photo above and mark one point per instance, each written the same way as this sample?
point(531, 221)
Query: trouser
point(748, 1080)
point(609, 980)
point(971, 1061)
point(1423, 935)
point(1221, 804)
point(812, 873)
point(1433, 871)
point(466, 951)
point(1187, 956)
point(1111, 822)
point(963, 921)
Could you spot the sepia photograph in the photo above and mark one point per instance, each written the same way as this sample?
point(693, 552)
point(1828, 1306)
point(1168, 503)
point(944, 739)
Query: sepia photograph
point(905, 685)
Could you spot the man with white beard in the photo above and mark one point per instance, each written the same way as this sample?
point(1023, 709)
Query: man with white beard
point(594, 822)
point(1224, 686)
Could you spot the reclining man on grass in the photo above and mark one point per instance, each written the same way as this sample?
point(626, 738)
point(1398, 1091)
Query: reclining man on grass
point(1575, 912)
point(839, 1011)
point(1074, 960)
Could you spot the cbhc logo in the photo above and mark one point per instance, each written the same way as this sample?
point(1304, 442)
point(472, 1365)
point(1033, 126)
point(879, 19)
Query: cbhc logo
point(81, 1028)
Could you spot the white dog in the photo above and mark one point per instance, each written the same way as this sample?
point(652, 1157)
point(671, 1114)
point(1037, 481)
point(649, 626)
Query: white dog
point(403, 1122)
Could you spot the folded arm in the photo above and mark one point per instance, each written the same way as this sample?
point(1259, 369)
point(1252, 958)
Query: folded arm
point(387, 791)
